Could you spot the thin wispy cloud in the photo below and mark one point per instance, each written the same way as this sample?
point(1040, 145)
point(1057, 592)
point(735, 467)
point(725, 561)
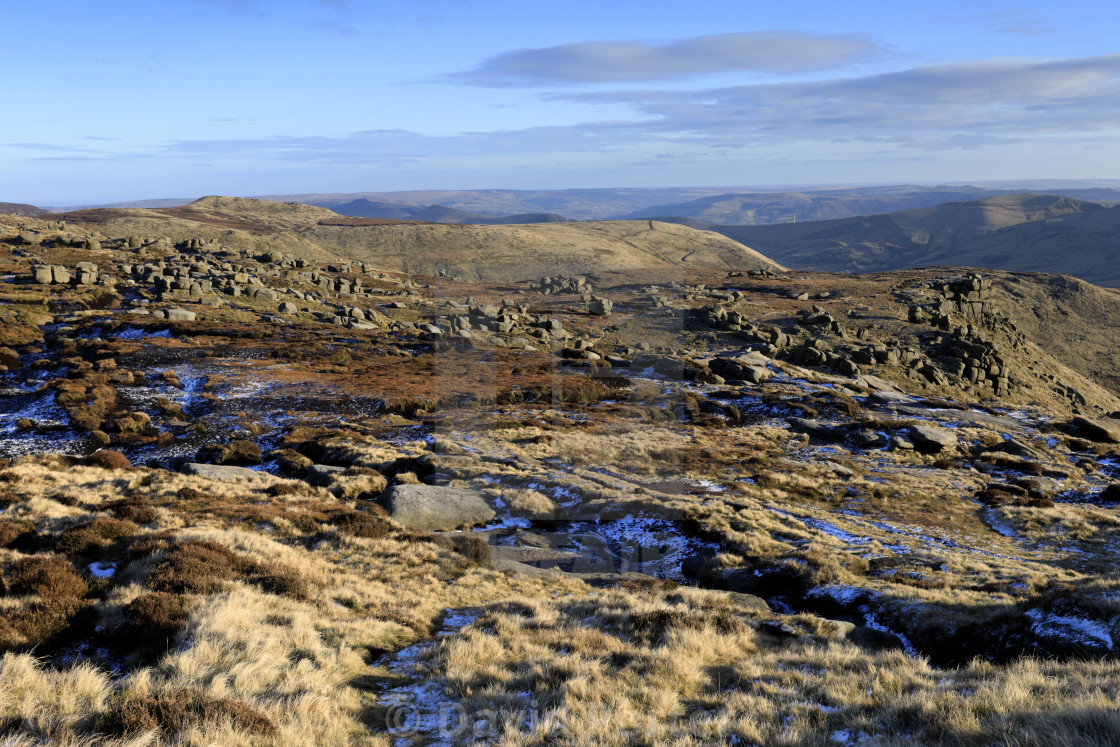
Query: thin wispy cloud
point(392, 146)
point(779, 52)
point(332, 16)
point(940, 106)
point(51, 147)
point(1005, 18)
point(964, 106)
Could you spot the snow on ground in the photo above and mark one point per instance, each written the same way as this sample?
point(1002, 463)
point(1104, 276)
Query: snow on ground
point(1078, 630)
point(102, 570)
point(422, 707)
point(656, 547)
point(870, 622)
point(139, 333)
point(843, 594)
point(823, 526)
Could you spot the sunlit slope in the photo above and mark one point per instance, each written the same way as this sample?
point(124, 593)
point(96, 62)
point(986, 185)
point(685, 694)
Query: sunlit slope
point(511, 253)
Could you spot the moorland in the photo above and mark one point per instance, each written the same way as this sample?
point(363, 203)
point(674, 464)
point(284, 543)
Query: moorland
point(270, 474)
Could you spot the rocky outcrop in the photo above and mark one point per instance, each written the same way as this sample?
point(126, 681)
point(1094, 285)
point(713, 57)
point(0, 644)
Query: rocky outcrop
point(550, 285)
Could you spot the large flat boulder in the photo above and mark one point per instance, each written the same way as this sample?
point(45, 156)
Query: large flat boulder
point(817, 429)
point(1101, 430)
point(218, 471)
point(932, 437)
point(435, 509)
point(875, 384)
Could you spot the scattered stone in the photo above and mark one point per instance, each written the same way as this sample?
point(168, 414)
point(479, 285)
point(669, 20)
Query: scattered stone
point(564, 285)
point(819, 430)
point(901, 443)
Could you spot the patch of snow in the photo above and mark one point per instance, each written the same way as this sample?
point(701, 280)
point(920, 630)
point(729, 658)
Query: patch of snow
point(870, 622)
point(139, 333)
point(422, 708)
point(1076, 629)
point(993, 519)
point(841, 593)
point(823, 526)
point(102, 570)
point(847, 736)
point(505, 522)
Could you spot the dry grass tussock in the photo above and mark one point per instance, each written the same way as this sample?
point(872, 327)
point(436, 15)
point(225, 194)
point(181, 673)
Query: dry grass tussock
point(687, 668)
point(233, 635)
point(642, 450)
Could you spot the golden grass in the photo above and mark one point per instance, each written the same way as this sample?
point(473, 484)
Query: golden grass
point(703, 680)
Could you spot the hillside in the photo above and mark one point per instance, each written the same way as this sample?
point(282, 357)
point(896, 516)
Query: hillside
point(441, 214)
point(498, 253)
point(1046, 233)
point(710, 204)
point(1074, 321)
point(512, 253)
point(15, 208)
point(577, 204)
point(433, 213)
point(764, 208)
point(225, 221)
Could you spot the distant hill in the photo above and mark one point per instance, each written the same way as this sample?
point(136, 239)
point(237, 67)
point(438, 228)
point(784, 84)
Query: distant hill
point(368, 209)
point(576, 204)
point(511, 253)
point(764, 208)
point(433, 213)
point(441, 214)
point(497, 253)
point(164, 203)
point(712, 204)
point(1025, 232)
point(15, 208)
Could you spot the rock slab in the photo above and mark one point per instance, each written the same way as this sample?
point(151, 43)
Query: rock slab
point(1101, 430)
point(435, 509)
point(218, 472)
point(932, 437)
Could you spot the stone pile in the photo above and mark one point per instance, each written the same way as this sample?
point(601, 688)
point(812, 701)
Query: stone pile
point(549, 286)
point(84, 273)
point(507, 320)
point(977, 360)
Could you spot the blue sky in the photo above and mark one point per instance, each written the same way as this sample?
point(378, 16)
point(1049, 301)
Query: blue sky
point(122, 100)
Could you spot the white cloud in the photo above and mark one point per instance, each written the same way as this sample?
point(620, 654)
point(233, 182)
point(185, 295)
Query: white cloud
point(781, 52)
point(940, 106)
point(967, 106)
